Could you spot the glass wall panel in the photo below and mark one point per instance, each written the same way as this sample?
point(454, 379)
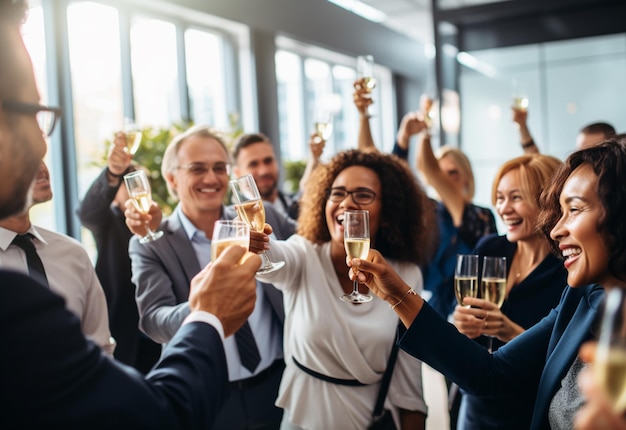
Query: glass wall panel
point(569, 84)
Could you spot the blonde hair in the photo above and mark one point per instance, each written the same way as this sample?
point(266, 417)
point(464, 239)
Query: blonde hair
point(464, 164)
point(535, 171)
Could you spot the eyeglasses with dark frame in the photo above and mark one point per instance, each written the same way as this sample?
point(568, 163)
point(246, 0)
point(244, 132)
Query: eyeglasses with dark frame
point(46, 116)
point(360, 196)
point(200, 169)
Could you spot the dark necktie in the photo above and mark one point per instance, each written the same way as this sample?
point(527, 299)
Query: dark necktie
point(35, 266)
point(246, 345)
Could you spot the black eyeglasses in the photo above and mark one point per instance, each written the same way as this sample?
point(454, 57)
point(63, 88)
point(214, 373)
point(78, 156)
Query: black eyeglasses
point(360, 196)
point(47, 116)
point(200, 169)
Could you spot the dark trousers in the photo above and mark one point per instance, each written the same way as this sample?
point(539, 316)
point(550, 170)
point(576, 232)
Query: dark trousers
point(250, 404)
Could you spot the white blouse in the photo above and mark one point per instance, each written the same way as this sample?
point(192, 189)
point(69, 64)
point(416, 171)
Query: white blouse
point(338, 339)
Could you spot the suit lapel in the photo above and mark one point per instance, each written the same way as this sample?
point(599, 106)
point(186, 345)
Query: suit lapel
point(572, 328)
point(180, 248)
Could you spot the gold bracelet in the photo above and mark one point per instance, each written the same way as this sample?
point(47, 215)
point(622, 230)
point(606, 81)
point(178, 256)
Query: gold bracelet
point(411, 291)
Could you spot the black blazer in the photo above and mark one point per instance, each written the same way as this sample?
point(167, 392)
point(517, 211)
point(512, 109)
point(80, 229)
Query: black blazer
point(107, 224)
point(52, 377)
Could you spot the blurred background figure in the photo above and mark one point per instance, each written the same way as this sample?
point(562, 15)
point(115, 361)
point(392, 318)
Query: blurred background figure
point(589, 135)
point(102, 212)
point(254, 154)
point(66, 267)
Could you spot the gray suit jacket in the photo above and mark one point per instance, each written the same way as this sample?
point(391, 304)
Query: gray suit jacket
point(162, 271)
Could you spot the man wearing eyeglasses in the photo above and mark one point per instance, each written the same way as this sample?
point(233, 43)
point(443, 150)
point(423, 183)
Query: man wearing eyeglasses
point(51, 376)
point(196, 167)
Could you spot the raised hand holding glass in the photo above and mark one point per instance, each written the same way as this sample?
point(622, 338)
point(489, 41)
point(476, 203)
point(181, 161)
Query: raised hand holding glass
point(250, 208)
point(138, 188)
point(356, 239)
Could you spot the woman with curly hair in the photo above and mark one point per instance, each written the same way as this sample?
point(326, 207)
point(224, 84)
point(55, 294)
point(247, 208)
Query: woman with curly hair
point(337, 352)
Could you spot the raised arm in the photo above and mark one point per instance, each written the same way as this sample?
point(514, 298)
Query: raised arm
point(452, 197)
point(362, 100)
point(526, 140)
point(316, 148)
point(94, 207)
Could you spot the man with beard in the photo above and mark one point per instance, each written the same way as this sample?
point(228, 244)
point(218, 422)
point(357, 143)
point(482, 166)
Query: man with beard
point(254, 154)
point(52, 376)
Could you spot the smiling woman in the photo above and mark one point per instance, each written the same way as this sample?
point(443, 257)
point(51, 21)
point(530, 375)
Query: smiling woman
point(339, 364)
point(582, 211)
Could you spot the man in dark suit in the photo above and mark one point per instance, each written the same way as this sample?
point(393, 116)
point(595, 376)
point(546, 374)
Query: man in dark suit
point(102, 212)
point(51, 376)
point(196, 167)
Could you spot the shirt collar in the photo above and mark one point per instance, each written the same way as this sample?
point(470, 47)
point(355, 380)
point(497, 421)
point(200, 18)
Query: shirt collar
point(7, 236)
point(190, 229)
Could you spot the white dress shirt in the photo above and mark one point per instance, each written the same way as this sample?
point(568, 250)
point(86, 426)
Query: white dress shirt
point(70, 274)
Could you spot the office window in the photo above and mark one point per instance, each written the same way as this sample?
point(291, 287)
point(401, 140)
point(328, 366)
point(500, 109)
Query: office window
point(289, 74)
point(312, 80)
point(126, 60)
point(155, 72)
point(205, 77)
point(95, 67)
point(33, 32)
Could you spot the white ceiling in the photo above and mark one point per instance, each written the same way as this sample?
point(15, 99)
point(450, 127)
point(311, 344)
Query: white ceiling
point(414, 18)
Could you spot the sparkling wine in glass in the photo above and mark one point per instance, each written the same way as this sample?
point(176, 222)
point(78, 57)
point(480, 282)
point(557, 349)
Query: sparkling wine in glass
point(520, 96)
point(251, 211)
point(227, 233)
point(356, 239)
point(610, 360)
point(493, 283)
point(323, 127)
point(138, 188)
point(133, 135)
point(365, 71)
point(466, 277)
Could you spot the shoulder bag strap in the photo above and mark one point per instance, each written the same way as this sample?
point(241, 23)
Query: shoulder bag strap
point(384, 385)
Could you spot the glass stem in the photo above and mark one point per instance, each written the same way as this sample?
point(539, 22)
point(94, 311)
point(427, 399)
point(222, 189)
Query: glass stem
point(266, 260)
point(355, 288)
point(149, 231)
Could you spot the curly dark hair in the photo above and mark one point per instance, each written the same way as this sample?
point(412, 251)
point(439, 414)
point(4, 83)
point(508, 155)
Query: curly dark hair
point(408, 227)
point(608, 161)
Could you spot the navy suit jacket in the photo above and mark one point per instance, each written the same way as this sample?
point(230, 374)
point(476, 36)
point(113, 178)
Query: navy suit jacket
point(533, 364)
point(163, 270)
point(52, 377)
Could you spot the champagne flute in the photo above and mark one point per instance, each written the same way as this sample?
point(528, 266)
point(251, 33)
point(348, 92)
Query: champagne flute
point(251, 211)
point(356, 239)
point(466, 277)
point(610, 360)
point(520, 96)
point(226, 233)
point(323, 127)
point(138, 188)
point(494, 284)
point(365, 71)
point(133, 135)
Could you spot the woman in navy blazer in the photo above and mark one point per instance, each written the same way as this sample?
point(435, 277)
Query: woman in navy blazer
point(582, 210)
